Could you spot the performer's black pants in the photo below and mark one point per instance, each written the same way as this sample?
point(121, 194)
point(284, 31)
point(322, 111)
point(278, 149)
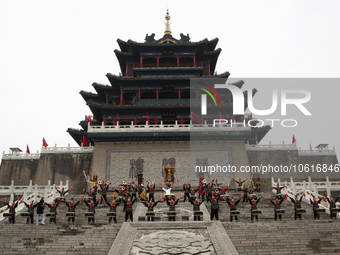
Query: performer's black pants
point(103, 198)
point(231, 217)
point(91, 219)
point(316, 215)
point(151, 218)
point(151, 197)
point(128, 215)
point(197, 218)
point(53, 219)
point(209, 196)
point(297, 215)
point(214, 213)
point(114, 219)
point(12, 219)
point(31, 217)
point(71, 218)
point(186, 195)
point(275, 216)
point(252, 217)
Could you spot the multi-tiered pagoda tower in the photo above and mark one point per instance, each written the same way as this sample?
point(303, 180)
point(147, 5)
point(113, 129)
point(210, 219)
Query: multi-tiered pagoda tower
point(152, 102)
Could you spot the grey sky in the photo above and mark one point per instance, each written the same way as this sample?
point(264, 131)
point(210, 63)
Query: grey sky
point(50, 50)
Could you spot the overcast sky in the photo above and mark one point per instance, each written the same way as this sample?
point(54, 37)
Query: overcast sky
point(51, 50)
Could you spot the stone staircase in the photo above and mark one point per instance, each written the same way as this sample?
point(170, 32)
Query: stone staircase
point(265, 236)
point(80, 237)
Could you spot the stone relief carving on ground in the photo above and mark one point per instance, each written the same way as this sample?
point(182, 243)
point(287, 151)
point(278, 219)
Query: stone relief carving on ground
point(171, 242)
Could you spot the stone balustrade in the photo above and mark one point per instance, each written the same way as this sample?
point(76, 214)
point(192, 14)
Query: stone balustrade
point(30, 193)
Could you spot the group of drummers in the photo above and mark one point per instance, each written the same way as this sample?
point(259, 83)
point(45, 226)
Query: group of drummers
point(129, 193)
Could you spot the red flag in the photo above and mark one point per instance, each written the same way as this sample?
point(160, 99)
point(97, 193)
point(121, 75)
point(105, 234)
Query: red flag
point(256, 141)
point(28, 150)
point(117, 119)
point(85, 141)
point(194, 117)
point(89, 120)
point(44, 143)
point(293, 140)
point(147, 118)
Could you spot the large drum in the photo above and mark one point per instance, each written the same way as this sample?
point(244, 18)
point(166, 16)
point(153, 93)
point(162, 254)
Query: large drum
point(234, 213)
point(320, 210)
point(226, 197)
point(256, 212)
point(89, 214)
point(239, 189)
point(198, 213)
point(25, 214)
point(70, 214)
point(169, 197)
point(336, 210)
point(50, 215)
point(150, 214)
point(280, 211)
point(193, 198)
point(111, 214)
point(300, 211)
point(8, 215)
point(279, 196)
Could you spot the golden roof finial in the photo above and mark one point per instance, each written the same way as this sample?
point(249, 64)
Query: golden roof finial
point(167, 23)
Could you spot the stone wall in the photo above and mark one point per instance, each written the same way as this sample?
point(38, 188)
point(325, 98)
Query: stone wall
point(113, 161)
point(52, 166)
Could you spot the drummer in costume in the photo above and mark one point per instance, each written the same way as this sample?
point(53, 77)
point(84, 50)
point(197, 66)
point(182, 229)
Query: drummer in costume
point(91, 209)
point(113, 207)
point(277, 206)
point(104, 187)
point(245, 193)
point(278, 189)
point(253, 204)
point(209, 191)
point(128, 208)
point(134, 191)
point(167, 191)
point(196, 205)
point(332, 205)
point(53, 209)
point(186, 189)
point(92, 193)
point(214, 207)
point(172, 207)
point(150, 207)
point(232, 204)
point(239, 182)
point(297, 205)
point(72, 209)
point(315, 207)
point(192, 193)
point(62, 194)
point(30, 210)
point(151, 191)
point(12, 211)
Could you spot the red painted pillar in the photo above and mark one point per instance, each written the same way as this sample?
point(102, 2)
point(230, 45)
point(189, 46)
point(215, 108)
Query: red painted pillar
point(141, 60)
point(157, 60)
point(157, 94)
point(177, 60)
point(104, 121)
point(127, 70)
point(121, 96)
point(209, 68)
point(179, 93)
point(194, 59)
point(139, 94)
point(156, 120)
